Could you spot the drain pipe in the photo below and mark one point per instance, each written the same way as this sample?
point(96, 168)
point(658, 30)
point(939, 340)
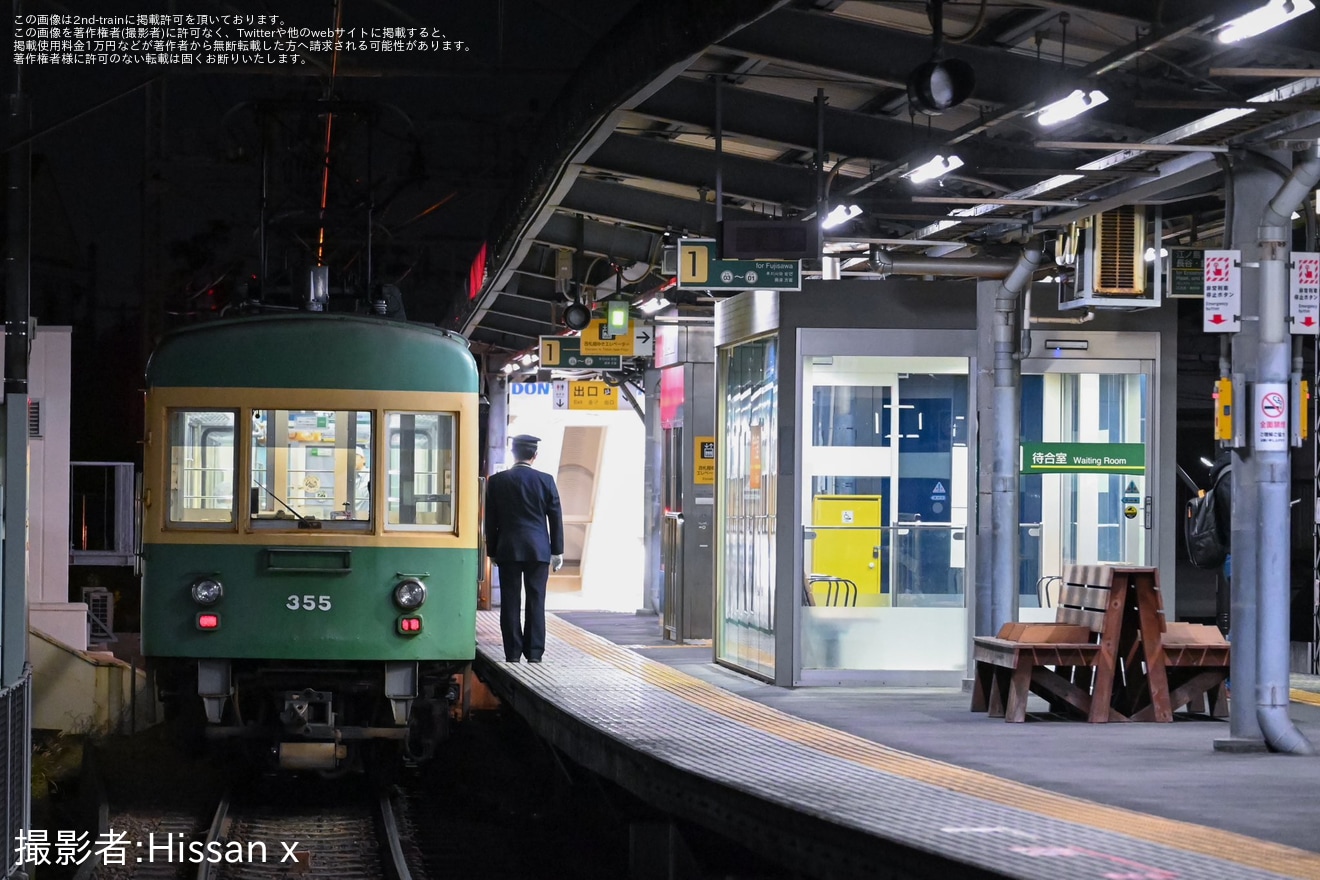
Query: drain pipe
point(1005, 464)
point(1274, 470)
point(1005, 467)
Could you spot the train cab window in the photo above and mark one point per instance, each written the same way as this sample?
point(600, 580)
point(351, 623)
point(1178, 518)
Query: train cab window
point(311, 467)
point(202, 465)
point(420, 490)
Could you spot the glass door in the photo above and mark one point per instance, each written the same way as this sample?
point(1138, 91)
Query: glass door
point(1087, 472)
point(885, 502)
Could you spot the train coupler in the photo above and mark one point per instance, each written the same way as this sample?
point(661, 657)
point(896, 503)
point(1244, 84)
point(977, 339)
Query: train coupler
point(307, 711)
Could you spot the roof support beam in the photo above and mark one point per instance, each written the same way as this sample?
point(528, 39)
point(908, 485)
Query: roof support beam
point(753, 179)
point(877, 54)
point(646, 49)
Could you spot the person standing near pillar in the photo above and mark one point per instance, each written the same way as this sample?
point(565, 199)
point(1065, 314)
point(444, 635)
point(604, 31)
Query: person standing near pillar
point(525, 539)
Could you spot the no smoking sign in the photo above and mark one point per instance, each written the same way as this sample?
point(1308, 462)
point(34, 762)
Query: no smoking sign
point(1271, 417)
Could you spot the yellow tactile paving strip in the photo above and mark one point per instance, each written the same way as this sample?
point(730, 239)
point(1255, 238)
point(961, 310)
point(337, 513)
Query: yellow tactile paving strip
point(1311, 699)
point(1199, 839)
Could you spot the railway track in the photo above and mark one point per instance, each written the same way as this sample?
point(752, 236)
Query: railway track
point(355, 840)
point(289, 828)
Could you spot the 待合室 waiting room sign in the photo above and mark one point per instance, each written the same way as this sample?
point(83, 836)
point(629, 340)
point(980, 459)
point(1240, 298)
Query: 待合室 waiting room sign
point(1083, 458)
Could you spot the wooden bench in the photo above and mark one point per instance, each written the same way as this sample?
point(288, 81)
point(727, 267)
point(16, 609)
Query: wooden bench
point(1140, 668)
point(1070, 662)
point(1195, 664)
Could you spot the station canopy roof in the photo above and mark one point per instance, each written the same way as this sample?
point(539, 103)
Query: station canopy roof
point(790, 109)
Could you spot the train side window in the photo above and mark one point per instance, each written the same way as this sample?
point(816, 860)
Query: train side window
point(202, 465)
point(420, 469)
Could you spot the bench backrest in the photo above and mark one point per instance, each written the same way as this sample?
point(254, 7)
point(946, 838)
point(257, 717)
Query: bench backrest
point(1084, 596)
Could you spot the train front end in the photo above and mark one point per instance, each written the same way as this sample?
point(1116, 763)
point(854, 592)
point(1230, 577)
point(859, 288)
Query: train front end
point(310, 533)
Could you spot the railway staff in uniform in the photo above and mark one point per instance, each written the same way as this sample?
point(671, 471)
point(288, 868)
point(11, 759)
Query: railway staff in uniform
point(525, 538)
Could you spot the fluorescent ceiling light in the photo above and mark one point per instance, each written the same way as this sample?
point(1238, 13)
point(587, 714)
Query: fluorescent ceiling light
point(1073, 105)
point(936, 167)
point(840, 215)
point(1004, 201)
point(1150, 254)
point(1141, 147)
point(1257, 21)
point(652, 304)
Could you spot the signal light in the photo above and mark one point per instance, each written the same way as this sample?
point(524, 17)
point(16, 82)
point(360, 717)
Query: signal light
point(616, 316)
point(410, 625)
point(208, 620)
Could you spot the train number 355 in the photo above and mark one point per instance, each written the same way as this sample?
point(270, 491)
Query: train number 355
point(308, 603)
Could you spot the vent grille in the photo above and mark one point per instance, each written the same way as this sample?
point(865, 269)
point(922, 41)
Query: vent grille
point(1120, 236)
point(34, 418)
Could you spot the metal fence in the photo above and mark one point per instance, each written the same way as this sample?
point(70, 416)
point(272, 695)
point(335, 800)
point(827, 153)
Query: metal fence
point(15, 712)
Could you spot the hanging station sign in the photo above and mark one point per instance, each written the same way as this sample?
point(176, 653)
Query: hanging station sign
point(698, 268)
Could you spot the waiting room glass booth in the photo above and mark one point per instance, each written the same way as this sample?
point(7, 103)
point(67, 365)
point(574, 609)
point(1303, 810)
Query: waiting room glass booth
point(848, 476)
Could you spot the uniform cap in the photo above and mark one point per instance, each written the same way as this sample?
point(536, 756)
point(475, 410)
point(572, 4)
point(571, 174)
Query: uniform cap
point(524, 445)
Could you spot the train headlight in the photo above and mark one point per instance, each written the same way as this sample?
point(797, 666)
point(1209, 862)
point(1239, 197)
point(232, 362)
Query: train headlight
point(410, 594)
point(207, 591)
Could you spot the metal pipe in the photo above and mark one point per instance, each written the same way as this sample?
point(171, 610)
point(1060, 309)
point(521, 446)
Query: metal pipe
point(371, 205)
point(18, 256)
point(1088, 315)
point(719, 152)
point(261, 212)
point(822, 205)
point(1274, 469)
point(1004, 477)
point(886, 263)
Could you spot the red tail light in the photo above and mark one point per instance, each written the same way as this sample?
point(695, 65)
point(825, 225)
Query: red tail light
point(208, 620)
point(410, 625)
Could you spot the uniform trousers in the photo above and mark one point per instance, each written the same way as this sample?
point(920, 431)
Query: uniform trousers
point(523, 639)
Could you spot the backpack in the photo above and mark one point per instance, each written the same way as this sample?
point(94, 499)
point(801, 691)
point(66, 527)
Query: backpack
point(1205, 544)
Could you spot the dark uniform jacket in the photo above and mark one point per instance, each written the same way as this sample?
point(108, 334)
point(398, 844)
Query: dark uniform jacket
point(524, 522)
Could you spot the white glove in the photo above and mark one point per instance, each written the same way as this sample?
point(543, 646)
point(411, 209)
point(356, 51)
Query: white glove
point(556, 562)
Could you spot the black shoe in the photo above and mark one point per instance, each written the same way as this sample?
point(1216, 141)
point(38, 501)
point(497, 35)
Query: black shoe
point(533, 659)
point(512, 659)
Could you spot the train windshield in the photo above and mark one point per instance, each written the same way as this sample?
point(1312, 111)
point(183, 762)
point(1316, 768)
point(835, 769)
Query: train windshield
point(419, 495)
point(311, 465)
point(202, 467)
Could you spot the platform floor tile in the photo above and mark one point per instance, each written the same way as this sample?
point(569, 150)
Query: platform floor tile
point(932, 806)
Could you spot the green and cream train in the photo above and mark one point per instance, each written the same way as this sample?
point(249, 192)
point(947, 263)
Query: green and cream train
point(310, 532)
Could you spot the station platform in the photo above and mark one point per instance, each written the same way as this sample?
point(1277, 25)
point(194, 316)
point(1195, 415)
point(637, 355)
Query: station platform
point(870, 782)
